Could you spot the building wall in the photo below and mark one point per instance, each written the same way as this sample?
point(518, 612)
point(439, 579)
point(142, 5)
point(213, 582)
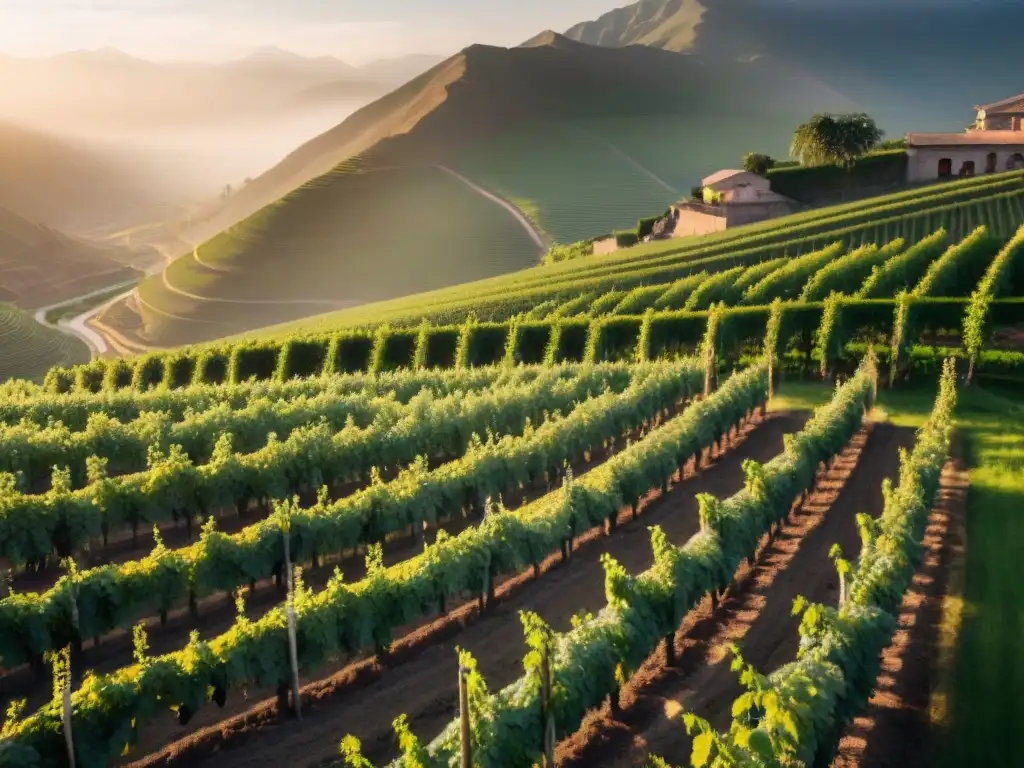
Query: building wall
point(744, 180)
point(923, 162)
point(745, 193)
point(738, 214)
point(697, 223)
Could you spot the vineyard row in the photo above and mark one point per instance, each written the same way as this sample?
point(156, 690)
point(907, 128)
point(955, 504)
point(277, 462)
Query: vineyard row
point(32, 526)
point(115, 596)
point(108, 709)
point(797, 714)
point(589, 663)
point(623, 338)
point(28, 402)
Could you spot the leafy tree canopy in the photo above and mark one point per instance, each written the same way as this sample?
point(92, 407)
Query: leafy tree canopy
point(757, 163)
point(835, 139)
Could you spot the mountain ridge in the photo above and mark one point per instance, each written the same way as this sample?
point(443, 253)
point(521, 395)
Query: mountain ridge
point(555, 96)
point(911, 42)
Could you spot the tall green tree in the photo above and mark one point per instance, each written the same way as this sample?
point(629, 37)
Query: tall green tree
point(758, 163)
point(835, 139)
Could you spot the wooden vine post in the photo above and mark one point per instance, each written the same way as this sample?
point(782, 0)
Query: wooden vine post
point(74, 578)
point(62, 690)
point(293, 656)
point(464, 731)
point(547, 716)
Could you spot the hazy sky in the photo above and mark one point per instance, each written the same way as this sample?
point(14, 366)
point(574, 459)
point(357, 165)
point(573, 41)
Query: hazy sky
point(354, 30)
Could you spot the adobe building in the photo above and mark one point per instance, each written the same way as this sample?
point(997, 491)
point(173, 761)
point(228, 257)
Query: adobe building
point(995, 143)
point(731, 198)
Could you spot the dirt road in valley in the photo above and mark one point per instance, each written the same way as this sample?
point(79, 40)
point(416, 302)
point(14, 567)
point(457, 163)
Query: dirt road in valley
point(424, 686)
point(76, 326)
point(756, 616)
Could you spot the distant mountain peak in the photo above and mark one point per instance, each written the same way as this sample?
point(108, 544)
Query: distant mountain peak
point(274, 50)
point(275, 57)
point(550, 38)
point(106, 55)
point(272, 53)
point(667, 24)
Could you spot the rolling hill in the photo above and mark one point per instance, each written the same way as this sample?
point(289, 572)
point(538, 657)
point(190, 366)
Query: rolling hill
point(936, 241)
point(573, 135)
point(28, 350)
point(40, 266)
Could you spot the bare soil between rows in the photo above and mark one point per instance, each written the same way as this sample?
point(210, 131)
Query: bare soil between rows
point(896, 731)
point(756, 616)
point(420, 677)
point(217, 613)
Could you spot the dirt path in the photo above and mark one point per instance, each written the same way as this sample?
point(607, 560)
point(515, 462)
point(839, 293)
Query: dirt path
point(137, 297)
point(516, 213)
point(207, 265)
point(330, 303)
point(76, 326)
point(423, 685)
point(756, 616)
point(895, 730)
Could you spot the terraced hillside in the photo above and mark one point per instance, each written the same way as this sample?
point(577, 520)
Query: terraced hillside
point(996, 201)
point(28, 350)
point(40, 266)
point(341, 239)
point(871, 271)
point(548, 128)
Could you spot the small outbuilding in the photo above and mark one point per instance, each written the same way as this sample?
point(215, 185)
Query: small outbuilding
point(730, 198)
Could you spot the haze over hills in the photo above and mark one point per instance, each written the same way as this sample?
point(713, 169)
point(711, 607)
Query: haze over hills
point(107, 88)
point(100, 143)
point(69, 185)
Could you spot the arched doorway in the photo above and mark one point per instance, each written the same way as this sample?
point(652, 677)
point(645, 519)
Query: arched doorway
point(991, 162)
point(1016, 162)
point(945, 167)
point(967, 169)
